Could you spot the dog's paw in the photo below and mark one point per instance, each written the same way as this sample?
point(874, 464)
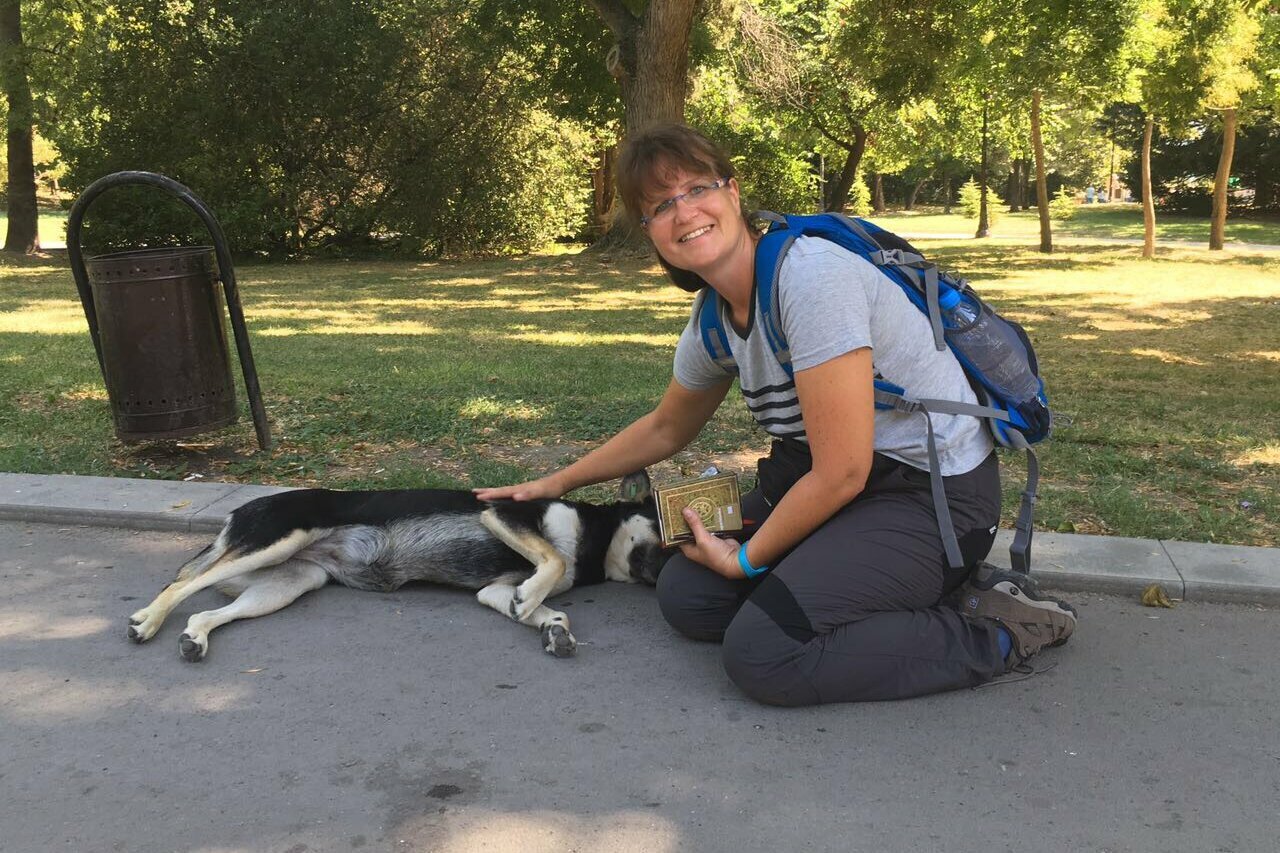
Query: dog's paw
point(521, 608)
point(193, 649)
point(557, 641)
point(141, 629)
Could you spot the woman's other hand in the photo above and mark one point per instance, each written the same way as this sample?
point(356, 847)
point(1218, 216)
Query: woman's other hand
point(719, 555)
point(546, 487)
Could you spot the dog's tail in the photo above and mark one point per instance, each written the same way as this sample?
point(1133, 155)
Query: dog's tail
point(212, 553)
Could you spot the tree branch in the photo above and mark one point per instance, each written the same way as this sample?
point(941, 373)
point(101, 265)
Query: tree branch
point(615, 15)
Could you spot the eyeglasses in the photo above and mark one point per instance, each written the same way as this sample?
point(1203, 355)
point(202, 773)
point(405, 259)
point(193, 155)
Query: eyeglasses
point(694, 193)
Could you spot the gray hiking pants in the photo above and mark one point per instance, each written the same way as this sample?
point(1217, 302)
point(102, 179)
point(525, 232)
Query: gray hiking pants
point(853, 612)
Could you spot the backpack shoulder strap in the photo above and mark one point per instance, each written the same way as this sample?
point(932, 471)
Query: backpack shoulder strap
point(894, 256)
point(712, 331)
point(770, 252)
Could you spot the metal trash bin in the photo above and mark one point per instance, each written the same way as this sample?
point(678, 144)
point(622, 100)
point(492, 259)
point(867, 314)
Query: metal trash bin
point(155, 316)
point(165, 358)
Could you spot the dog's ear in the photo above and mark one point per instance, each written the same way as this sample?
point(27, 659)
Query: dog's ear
point(636, 487)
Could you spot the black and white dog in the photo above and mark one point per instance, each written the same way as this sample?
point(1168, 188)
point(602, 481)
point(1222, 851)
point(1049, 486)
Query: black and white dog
point(517, 554)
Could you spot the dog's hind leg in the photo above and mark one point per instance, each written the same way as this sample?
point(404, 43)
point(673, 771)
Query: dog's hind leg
point(144, 623)
point(548, 565)
point(552, 624)
point(277, 588)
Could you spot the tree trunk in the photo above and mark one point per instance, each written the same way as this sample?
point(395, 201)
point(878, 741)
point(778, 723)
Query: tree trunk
point(984, 228)
point(877, 196)
point(1011, 189)
point(1148, 203)
point(911, 195)
point(838, 193)
point(24, 218)
point(946, 195)
point(602, 190)
point(1218, 229)
point(1111, 172)
point(650, 61)
point(1042, 187)
point(819, 164)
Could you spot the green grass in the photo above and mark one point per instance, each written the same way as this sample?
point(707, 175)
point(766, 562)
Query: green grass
point(53, 226)
point(1166, 375)
point(1116, 220)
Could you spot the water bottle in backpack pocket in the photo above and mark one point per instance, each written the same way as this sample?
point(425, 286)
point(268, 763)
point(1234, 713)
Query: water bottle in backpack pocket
point(997, 355)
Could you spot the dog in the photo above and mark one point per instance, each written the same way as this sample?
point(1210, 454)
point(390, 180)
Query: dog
point(516, 553)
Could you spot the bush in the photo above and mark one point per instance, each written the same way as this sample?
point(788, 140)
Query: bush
point(1188, 201)
point(971, 199)
point(513, 185)
point(1063, 206)
point(419, 146)
point(859, 203)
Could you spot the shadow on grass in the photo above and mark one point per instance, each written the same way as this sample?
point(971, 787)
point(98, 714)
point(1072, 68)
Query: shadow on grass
point(402, 375)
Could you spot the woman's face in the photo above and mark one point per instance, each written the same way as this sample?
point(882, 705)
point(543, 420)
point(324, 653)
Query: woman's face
point(702, 227)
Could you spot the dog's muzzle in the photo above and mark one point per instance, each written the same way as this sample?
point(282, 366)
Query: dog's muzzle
point(646, 562)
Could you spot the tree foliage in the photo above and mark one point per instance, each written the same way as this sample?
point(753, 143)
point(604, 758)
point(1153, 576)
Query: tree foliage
point(327, 125)
point(459, 126)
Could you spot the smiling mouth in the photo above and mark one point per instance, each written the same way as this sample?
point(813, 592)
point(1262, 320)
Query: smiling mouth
point(695, 234)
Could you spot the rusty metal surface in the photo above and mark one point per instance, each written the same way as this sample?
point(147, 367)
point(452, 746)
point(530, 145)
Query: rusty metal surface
point(165, 357)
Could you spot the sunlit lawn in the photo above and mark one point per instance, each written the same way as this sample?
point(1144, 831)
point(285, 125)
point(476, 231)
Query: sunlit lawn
point(1094, 220)
point(53, 227)
point(1166, 375)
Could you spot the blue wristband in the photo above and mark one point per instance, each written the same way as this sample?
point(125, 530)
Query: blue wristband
point(748, 569)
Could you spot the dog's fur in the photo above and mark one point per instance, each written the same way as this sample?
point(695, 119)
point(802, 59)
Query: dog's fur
point(517, 554)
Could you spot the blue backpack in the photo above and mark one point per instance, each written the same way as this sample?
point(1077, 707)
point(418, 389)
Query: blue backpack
point(995, 353)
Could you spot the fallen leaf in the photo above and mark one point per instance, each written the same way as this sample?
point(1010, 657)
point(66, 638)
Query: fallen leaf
point(1155, 596)
point(180, 504)
point(256, 669)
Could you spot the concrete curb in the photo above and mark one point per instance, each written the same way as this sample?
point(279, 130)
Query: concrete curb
point(121, 502)
point(1191, 571)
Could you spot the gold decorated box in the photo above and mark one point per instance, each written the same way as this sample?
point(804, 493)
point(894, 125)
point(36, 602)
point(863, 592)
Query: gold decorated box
point(715, 499)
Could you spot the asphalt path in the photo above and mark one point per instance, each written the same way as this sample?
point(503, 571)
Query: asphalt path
point(422, 721)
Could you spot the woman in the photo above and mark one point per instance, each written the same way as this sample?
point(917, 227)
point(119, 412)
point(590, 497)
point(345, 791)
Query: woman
point(835, 595)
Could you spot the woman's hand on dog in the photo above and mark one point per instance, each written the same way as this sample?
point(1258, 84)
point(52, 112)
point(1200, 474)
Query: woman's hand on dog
point(545, 487)
point(718, 555)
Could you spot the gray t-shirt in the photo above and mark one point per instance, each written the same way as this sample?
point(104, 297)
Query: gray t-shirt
point(832, 302)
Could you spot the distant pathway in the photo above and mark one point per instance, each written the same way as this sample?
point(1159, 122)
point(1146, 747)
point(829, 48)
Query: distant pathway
point(1119, 241)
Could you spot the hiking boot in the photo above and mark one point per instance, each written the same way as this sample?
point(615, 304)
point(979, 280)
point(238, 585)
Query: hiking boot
point(1013, 600)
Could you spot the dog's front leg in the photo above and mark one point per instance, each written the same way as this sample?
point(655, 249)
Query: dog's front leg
point(552, 624)
point(549, 564)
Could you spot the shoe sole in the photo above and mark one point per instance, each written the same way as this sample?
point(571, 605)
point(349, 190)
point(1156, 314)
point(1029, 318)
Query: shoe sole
point(1053, 605)
point(1024, 589)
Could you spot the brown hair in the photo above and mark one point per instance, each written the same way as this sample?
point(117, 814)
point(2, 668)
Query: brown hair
point(648, 156)
point(655, 152)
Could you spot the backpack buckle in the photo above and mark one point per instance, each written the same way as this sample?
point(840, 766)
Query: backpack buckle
point(891, 257)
